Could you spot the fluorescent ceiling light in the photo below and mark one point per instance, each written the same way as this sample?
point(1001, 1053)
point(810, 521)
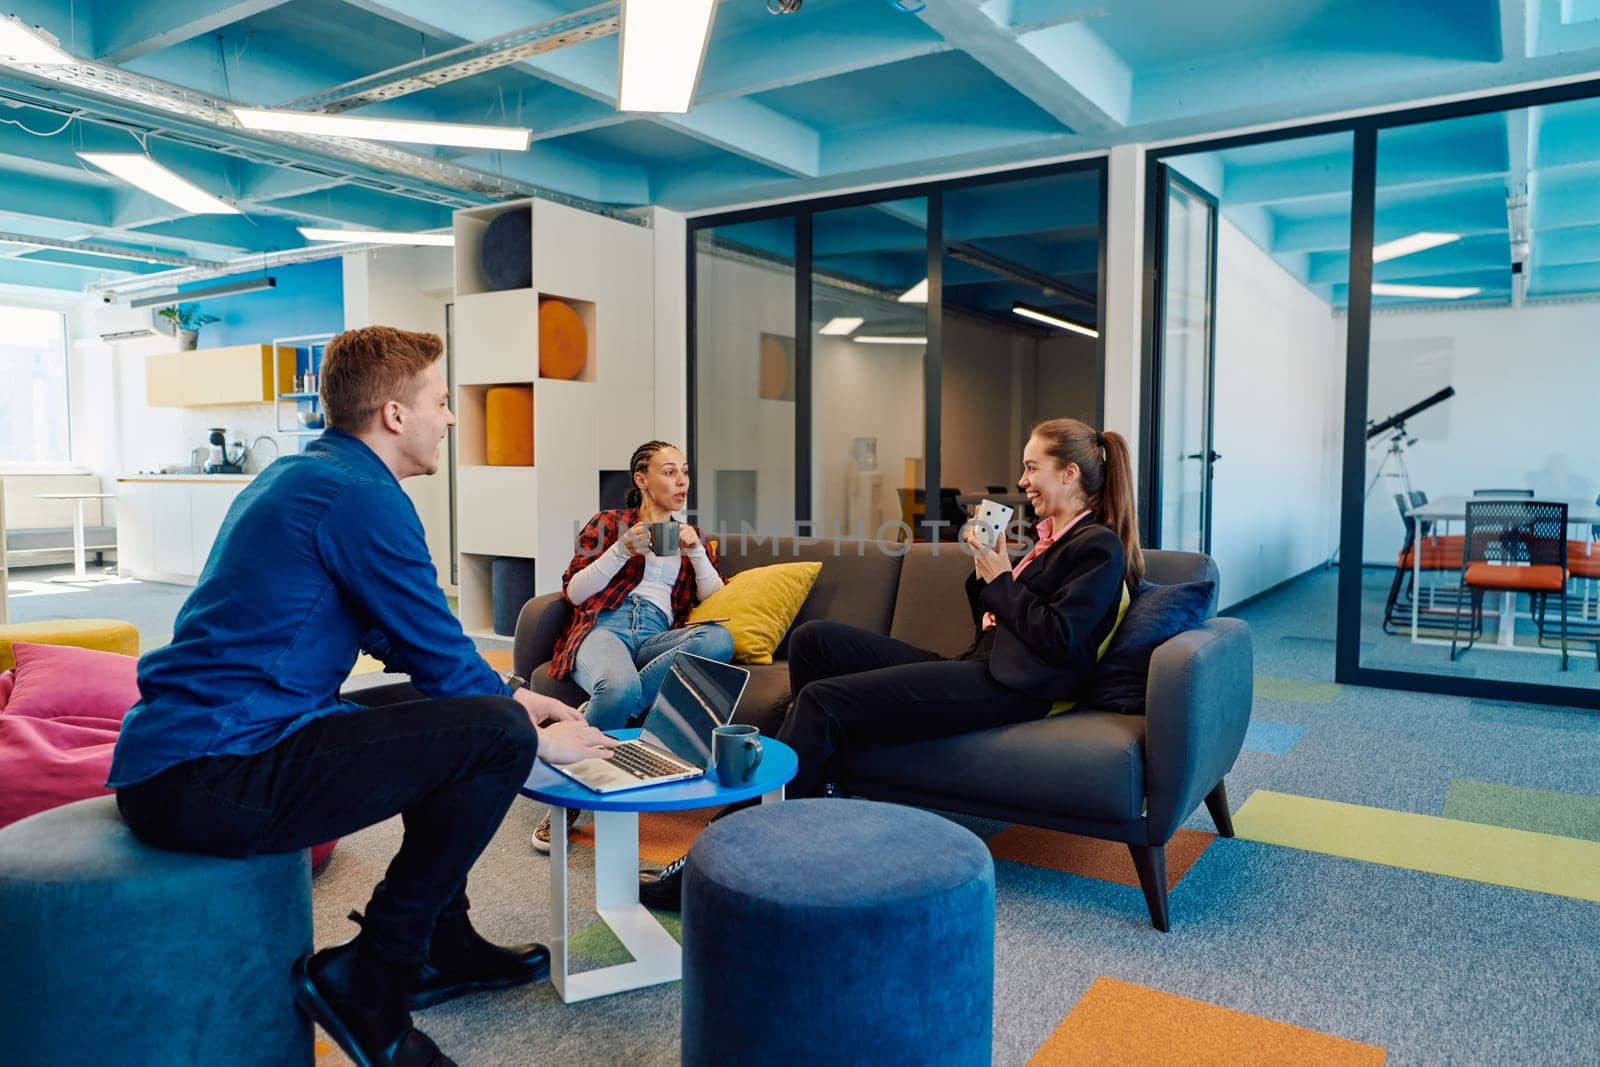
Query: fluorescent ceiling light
point(1405, 246)
point(1053, 320)
point(378, 237)
point(1425, 292)
point(21, 43)
point(917, 294)
point(663, 46)
point(457, 134)
point(246, 285)
point(841, 327)
point(138, 169)
point(872, 339)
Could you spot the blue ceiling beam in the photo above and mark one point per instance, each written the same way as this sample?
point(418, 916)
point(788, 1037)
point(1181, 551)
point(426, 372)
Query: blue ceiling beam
point(360, 207)
point(1024, 15)
point(740, 126)
point(227, 231)
point(1557, 30)
point(946, 138)
point(788, 51)
point(49, 275)
point(1487, 252)
point(39, 197)
point(125, 30)
point(1565, 280)
point(548, 166)
point(1067, 71)
point(1204, 169)
point(1567, 247)
point(1519, 21)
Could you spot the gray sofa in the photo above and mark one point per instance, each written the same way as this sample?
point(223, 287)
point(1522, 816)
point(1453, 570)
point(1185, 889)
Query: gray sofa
point(1128, 778)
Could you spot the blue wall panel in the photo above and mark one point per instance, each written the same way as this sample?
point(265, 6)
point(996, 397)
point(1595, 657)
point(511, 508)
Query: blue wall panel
point(309, 298)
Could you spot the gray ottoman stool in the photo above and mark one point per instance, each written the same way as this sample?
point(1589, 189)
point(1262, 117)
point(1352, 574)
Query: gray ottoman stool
point(838, 932)
point(119, 953)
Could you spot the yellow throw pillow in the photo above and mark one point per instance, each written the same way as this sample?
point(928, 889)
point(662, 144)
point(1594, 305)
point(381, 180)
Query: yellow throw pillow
point(760, 606)
point(1062, 706)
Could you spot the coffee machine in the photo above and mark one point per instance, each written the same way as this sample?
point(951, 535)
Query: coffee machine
point(221, 459)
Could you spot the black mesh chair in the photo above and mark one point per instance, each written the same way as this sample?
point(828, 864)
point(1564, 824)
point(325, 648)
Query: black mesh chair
point(1513, 546)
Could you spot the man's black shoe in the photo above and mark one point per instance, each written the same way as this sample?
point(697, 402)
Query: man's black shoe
point(359, 999)
point(460, 961)
point(663, 890)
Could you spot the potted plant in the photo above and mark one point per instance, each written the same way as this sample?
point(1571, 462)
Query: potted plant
point(186, 321)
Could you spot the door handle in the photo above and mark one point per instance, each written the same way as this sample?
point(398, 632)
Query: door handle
point(1214, 456)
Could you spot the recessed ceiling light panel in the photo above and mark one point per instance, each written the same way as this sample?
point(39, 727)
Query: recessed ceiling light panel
point(377, 237)
point(663, 46)
point(405, 131)
point(140, 170)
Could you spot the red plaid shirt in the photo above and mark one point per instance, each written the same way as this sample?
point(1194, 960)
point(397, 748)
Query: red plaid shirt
point(601, 532)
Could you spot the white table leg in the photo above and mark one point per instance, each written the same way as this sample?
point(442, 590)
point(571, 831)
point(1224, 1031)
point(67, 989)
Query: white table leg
point(656, 956)
point(772, 797)
point(558, 900)
point(79, 564)
point(1507, 635)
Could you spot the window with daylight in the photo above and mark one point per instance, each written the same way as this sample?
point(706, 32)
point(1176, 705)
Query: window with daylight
point(33, 381)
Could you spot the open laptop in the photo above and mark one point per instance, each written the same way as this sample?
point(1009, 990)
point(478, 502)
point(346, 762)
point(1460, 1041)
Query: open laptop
point(697, 696)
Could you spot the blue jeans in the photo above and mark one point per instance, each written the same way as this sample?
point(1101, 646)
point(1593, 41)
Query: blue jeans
point(624, 659)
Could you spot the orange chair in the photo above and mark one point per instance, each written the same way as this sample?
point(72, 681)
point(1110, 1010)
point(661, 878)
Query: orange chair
point(1438, 554)
point(1514, 546)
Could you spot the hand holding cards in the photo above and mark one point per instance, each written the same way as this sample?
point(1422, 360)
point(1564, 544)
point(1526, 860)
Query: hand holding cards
point(991, 521)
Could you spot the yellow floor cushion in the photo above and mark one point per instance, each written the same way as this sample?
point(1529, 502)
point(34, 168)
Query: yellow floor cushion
point(107, 635)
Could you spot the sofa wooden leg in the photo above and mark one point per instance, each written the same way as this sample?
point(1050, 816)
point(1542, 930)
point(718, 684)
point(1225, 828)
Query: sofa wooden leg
point(1151, 862)
point(1217, 805)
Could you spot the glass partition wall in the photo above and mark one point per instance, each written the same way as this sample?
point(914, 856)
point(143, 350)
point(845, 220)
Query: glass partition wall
point(853, 358)
point(1455, 254)
point(1481, 530)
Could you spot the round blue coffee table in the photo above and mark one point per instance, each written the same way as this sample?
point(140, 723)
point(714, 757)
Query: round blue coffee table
point(656, 956)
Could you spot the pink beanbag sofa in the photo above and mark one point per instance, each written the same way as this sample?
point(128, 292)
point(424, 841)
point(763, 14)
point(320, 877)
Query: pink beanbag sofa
point(61, 708)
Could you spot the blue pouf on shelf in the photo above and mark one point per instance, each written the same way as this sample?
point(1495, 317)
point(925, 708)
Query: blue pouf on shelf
point(507, 253)
point(510, 587)
point(117, 952)
point(839, 932)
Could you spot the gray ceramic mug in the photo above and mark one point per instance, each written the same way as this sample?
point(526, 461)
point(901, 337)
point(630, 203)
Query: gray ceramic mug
point(663, 538)
point(735, 754)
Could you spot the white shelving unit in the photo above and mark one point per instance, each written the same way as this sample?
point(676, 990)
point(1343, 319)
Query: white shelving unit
point(604, 269)
point(314, 344)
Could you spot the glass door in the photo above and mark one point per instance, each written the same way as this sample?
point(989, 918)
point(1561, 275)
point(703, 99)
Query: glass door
point(1187, 277)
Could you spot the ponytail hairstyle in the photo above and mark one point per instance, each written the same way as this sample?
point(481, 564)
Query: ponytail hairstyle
point(1107, 478)
point(638, 465)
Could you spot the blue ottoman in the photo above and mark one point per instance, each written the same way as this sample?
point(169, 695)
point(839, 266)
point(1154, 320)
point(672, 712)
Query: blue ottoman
point(839, 932)
point(510, 587)
point(117, 952)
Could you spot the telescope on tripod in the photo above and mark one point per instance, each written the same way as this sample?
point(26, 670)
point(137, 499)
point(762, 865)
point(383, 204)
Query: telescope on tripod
point(1400, 439)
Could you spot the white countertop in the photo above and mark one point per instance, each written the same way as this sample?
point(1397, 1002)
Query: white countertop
point(187, 478)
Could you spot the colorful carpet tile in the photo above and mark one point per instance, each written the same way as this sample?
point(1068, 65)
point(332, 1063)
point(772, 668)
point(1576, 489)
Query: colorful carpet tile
point(663, 835)
point(1275, 738)
point(1519, 808)
point(1520, 859)
point(1091, 857)
point(1119, 1022)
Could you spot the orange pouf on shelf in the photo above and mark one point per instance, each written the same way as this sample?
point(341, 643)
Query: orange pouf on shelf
point(563, 341)
point(774, 368)
point(508, 426)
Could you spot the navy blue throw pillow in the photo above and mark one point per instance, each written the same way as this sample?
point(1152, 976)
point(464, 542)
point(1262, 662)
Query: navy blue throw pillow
point(1157, 613)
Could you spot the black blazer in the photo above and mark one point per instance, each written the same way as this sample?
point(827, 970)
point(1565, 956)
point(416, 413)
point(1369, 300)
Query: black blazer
point(1052, 620)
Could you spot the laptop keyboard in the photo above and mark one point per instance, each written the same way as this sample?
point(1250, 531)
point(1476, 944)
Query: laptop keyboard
point(639, 761)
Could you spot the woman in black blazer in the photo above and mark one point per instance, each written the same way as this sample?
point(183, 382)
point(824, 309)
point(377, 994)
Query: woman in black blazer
point(1037, 622)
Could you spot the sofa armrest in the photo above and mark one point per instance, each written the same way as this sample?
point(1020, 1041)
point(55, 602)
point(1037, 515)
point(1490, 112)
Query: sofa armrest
point(538, 627)
point(1197, 708)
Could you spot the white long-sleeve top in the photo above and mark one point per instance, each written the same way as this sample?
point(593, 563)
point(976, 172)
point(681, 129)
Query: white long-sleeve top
point(660, 572)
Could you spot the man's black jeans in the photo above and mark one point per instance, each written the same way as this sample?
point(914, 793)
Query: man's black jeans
point(450, 768)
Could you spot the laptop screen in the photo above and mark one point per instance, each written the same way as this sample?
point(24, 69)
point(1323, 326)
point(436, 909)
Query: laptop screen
point(697, 696)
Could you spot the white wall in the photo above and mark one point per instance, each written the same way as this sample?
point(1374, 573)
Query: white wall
point(408, 288)
point(1279, 387)
point(1524, 414)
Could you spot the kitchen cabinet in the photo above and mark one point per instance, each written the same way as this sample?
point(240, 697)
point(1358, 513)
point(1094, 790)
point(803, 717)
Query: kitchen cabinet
point(167, 525)
point(236, 374)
